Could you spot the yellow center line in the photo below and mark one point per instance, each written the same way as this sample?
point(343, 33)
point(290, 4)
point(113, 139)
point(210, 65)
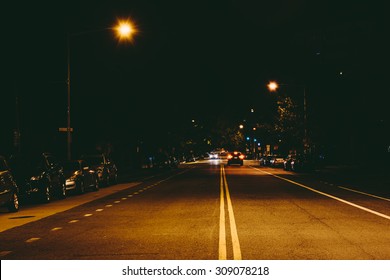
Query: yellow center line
point(222, 231)
point(233, 227)
point(224, 188)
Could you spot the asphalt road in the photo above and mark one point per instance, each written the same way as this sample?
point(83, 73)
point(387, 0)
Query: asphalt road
point(207, 211)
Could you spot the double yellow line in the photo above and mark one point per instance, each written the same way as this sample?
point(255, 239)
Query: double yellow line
point(222, 221)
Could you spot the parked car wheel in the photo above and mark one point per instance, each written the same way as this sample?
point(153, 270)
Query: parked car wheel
point(13, 205)
point(46, 194)
point(62, 193)
point(96, 185)
point(114, 180)
point(80, 187)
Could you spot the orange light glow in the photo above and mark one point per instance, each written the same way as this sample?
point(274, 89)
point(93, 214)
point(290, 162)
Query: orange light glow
point(273, 86)
point(125, 30)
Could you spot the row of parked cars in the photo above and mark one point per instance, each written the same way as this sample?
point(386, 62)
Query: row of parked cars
point(292, 162)
point(43, 177)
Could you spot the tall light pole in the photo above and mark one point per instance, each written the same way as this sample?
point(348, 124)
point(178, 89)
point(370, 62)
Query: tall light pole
point(125, 31)
point(273, 86)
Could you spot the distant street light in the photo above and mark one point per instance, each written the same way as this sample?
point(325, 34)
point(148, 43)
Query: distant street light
point(125, 31)
point(273, 86)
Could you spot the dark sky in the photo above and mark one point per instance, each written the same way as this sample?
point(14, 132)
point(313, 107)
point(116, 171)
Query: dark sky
point(191, 60)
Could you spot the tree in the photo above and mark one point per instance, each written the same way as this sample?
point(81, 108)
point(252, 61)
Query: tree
point(288, 126)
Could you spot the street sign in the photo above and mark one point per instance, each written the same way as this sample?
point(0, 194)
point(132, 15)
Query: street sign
point(65, 129)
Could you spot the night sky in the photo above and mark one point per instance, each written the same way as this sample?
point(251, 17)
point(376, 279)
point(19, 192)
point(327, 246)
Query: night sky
point(199, 60)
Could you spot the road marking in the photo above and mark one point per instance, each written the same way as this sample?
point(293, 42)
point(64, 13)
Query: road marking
point(88, 215)
point(73, 221)
point(222, 232)
point(233, 227)
point(124, 198)
point(328, 195)
point(109, 205)
point(130, 195)
point(232, 221)
point(368, 194)
point(4, 253)
point(99, 210)
point(33, 239)
point(117, 201)
point(56, 228)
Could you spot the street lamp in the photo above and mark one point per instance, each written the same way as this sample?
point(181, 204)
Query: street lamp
point(273, 86)
point(125, 31)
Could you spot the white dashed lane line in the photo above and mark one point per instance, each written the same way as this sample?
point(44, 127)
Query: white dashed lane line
point(4, 253)
point(33, 239)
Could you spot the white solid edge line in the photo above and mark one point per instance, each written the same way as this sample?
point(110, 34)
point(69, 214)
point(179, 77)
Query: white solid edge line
point(368, 194)
point(328, 195)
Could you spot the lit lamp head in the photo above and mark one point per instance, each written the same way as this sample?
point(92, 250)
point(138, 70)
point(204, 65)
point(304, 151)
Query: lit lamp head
point(272, 86)
point(125, 30)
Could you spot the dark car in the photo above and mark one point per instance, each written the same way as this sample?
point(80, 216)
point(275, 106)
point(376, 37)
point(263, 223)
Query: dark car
point(265, 160)
point(79, 176)
point(39, 176)
point(235, 158)
point(302, 163)
point(287, 162)
point(106, 170)
point(9, 193)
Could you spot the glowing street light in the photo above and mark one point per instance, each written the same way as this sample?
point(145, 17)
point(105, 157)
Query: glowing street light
point(273, 86)
point(125, 31)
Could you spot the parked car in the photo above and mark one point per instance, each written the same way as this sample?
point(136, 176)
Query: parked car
point(302, 163)
point(161, 160)
point(79, 176)
point(214, 155)
point(9, 192)
point(235, 158)
point(105, 168)
point(174, 162)
point(265, 160)
point(276, 161)
point(39, 176)
point(287, 162)
point(190, 157)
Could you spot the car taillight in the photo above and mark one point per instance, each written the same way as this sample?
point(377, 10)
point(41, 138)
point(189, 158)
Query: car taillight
point(229, 156)
point(241, 156)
